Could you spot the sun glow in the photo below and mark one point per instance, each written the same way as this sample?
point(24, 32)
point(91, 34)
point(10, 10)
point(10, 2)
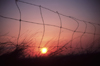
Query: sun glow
point(44, 50)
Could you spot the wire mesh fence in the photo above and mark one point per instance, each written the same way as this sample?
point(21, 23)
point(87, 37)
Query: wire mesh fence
point(63, 48)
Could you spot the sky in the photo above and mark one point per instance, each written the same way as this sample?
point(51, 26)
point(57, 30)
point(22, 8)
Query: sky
point(87, 10)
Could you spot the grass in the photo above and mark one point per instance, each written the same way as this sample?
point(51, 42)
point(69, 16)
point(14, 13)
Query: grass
point(17, 58)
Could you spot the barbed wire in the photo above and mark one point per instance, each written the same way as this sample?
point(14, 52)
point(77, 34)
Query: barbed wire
point(60, 26)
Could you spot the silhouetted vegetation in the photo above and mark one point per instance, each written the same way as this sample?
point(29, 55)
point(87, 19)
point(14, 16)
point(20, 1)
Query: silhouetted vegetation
point(17, 58)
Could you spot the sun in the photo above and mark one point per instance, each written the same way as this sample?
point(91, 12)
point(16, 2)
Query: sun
point(44, 50)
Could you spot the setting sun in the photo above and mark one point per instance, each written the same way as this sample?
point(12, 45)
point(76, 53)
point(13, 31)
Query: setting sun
point(43, 50)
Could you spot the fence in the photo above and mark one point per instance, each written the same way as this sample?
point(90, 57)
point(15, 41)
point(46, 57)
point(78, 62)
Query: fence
point(59, 50)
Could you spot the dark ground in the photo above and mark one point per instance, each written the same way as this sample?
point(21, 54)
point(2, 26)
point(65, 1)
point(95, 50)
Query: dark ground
point(92, 59)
